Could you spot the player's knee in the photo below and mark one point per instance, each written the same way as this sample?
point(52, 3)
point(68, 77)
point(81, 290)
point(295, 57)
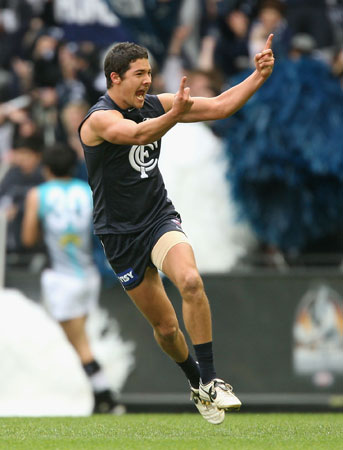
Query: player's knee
point(167, 332)
point(191, 284)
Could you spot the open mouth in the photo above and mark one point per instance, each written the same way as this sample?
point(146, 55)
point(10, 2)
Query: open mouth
point(140, 94)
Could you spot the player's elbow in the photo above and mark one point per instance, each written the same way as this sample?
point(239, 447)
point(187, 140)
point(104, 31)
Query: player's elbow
point(224, 107)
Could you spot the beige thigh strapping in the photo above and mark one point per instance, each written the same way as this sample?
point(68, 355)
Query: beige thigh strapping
point(164, 244)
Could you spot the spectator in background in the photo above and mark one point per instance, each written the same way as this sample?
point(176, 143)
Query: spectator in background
point(14, 17)
point(69, 87)
point(23, 75)
point(62, 209)
point(45, 57)
point(15, 122)
point(88, 66)
point(231, 50)
point(71, 116)
point(225, 27)
point(45, 112)
point(24, 125)
point(311, 17)
point(185, 40)
point(270, 19)
point(301, 45)
point(209, 33)
point(25, 172)
point(46, 75)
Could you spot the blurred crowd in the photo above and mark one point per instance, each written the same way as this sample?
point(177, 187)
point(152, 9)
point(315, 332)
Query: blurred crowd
point(51, 55)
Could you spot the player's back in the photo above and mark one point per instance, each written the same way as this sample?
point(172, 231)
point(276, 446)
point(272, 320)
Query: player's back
point(65, 211)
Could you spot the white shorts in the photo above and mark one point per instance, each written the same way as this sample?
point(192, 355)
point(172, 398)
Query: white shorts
point(66, 297)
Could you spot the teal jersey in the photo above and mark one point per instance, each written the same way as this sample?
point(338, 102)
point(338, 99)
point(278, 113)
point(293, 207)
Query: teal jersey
point(66, 214)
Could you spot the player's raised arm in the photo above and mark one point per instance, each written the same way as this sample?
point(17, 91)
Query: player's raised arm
point(227, 103)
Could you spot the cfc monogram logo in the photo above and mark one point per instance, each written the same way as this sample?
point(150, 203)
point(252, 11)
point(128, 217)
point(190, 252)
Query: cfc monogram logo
point(139, 158)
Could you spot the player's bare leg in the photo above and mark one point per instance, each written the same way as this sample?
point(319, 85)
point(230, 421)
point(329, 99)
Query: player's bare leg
point(76, 333)
point(104, 399)
point(151, 299)
point(179, 265)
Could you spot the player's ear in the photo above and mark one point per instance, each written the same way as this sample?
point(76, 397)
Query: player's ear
point(115, 78)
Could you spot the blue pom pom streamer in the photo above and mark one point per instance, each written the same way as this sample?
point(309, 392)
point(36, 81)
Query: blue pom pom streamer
point(286, 155)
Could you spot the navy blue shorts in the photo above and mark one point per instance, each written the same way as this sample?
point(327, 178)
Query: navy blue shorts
point(130, 254)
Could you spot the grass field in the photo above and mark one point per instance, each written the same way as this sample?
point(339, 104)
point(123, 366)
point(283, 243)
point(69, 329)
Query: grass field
point(174, 431)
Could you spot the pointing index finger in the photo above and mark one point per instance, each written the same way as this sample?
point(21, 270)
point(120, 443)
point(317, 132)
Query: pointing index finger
point(269, 42)
point(182, 84)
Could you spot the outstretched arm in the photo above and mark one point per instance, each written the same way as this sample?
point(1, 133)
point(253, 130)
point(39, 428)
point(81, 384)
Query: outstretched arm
point(227, 103)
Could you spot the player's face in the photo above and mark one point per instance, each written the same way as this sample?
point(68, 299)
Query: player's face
point(135, 83)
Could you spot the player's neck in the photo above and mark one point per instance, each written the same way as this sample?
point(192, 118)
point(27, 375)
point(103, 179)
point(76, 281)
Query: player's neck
point(118, 100)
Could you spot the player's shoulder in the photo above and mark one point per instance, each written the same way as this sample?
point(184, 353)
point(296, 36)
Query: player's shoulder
point(100, 117)
point(103, 108)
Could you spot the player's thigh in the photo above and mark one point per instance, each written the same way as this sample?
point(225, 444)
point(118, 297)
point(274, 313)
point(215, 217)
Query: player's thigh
point(151, 299)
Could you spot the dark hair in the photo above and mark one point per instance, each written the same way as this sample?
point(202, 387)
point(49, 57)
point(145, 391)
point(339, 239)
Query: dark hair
point(278, 5)
point(119, 58)
point(60, 159)
point(33, 143)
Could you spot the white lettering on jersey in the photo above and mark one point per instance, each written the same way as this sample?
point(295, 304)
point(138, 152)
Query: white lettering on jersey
point(138, 155)
point(125, 278)
point(67, 210)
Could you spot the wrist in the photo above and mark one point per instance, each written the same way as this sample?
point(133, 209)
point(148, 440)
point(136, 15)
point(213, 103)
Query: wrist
point(259, 78)
point(173, 115)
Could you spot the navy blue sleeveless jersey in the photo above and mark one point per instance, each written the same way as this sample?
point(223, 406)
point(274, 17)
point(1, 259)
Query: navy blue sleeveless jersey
point(128, 189)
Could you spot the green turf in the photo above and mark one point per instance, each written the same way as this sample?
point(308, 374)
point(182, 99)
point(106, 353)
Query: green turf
point(174, 431)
